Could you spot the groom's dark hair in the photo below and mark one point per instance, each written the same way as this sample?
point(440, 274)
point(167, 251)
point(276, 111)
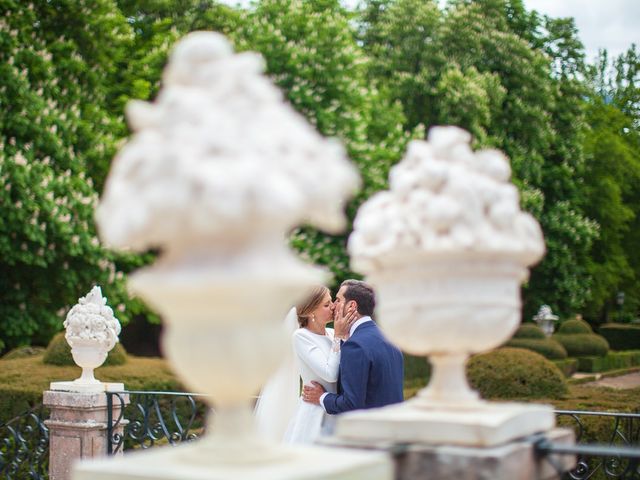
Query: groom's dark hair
point(362, 294)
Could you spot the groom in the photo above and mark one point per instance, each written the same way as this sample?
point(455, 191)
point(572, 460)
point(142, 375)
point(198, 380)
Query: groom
point(371, 368)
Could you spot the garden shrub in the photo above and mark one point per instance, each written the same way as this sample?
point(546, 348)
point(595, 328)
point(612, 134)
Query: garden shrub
point(583, 344)
point(546, 347)
point(574, 326)
point(58, 352)
point(416, 368)
point(529, 330)
point(508, 373)
point(568, 366)
point(621, 336)
point(22, 380)
point(22, 352)
point(611, 361)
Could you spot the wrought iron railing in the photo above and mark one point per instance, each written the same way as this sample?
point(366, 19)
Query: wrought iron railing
point(153, 418)
point(607, 445)
point(24, 446)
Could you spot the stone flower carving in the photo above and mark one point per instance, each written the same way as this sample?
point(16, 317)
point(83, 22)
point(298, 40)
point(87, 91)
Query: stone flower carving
point(218, 158)
point(445, 199)
point(91, 321)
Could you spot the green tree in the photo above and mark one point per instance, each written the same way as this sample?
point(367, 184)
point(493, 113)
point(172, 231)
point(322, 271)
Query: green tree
point(55, 138)
point(156, 25)
point(610, 194)
point(510, 77)
point(311, 53)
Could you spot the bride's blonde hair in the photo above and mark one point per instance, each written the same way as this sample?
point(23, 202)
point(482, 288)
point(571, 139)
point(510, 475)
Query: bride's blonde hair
point(310, 303)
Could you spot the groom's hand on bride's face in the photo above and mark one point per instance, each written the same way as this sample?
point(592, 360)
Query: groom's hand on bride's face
point(312, 393)
point(342, 324)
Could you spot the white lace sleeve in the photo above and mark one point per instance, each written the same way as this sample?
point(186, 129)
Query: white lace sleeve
point(324, 367)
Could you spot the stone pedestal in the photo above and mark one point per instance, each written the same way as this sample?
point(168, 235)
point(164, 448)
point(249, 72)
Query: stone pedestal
point(515, 460)
point(185, 462)
point(477, 424)
point(77, 428)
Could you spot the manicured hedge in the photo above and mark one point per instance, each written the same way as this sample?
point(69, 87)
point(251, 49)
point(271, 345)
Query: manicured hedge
point(567, 366)
point(58, 352)
point(582, 344)
point(23, 352)
point(416, 368)
point(612, 361)
point(22, 380)
point(575, 326)
point(529, 330)
point(546, 347)
point(508, 373)
point(621, 336)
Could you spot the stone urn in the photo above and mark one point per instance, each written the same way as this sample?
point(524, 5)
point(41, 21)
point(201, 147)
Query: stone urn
point(447, 249)
point(546, 320)
point(222, 335)
point(91, 331)
point(218, 172)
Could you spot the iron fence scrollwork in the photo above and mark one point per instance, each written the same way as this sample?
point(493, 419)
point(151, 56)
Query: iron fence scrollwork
point(24, 446)
point(153, 418)
point(616, 458)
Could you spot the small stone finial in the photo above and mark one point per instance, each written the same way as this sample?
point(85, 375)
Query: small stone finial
point(91, 331)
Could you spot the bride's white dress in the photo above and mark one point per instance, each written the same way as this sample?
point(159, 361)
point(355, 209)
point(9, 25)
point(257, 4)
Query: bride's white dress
point(316, 361)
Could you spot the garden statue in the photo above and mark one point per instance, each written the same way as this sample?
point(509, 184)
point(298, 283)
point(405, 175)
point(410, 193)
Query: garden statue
point(219, 170)
point(447, 248)
point(545, 320)
point(91, 331)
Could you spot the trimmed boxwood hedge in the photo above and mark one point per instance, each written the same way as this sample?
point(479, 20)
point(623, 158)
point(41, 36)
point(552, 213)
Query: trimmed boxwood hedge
point(22, 380)
point(546, 347)
point(583, 344)
point(23, 352)
point(567, 366)
point(621, 336)
point(58, 352)
point(508, 373)
point(612, 361)
point(416, 368)
point(529, 330)
point(574, 326)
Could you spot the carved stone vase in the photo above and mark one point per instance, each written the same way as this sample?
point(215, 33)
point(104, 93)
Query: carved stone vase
point(219, 171)
point(91, 332)
point(448, 308)
point(223, 336)
point(447, 248)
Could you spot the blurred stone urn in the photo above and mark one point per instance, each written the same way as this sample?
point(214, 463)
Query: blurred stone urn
point(218, 172)
point(546, 320)
point(447, 249)
point(91, 331)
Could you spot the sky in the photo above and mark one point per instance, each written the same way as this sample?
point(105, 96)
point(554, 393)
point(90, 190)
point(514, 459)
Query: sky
point(610, 24)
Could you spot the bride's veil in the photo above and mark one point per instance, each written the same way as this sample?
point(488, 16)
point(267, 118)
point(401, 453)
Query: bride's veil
point(279, 398)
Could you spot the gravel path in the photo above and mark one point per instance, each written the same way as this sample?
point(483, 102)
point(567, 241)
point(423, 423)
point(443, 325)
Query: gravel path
point(630, 380)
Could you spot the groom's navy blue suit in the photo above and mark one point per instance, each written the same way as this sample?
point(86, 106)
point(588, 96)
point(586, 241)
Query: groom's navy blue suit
point(371, 372)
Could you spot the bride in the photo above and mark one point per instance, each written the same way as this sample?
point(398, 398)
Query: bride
point(281, 414)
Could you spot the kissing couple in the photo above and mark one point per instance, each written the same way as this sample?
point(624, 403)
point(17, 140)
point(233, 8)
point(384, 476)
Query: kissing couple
point(350, 367)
